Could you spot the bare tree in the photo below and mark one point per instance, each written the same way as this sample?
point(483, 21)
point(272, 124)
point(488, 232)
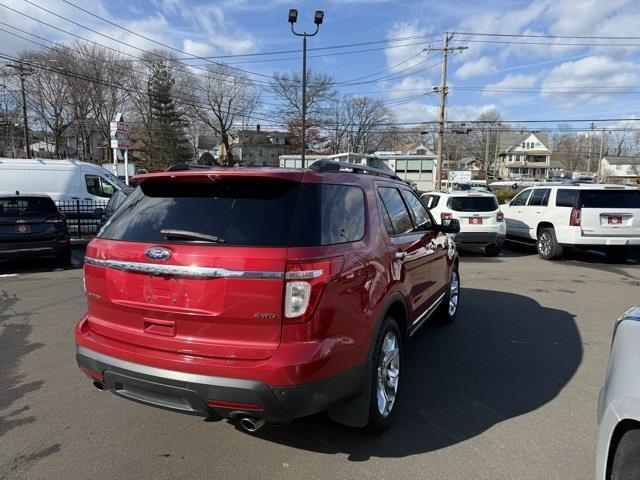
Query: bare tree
point(366, 116)
point(10, 115)
point(320, 98)
point(230, 97)
point(48, 92)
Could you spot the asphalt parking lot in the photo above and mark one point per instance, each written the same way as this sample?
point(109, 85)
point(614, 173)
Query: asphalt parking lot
point(509, 391)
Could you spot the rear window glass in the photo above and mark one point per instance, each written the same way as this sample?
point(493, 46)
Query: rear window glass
point(242, 212)
point(473, 204)
point(610, 198)
point(566, 197)
point(25, 206)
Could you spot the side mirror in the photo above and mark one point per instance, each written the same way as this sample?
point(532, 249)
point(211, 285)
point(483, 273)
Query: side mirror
point(452, 226)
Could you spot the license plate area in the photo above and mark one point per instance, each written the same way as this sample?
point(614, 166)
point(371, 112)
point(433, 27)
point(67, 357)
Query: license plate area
point(614, 220)
point(475, 221)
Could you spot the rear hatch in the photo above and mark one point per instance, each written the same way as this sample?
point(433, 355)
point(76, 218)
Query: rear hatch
point(28, 220)
point(610, 212)
point(194, 264)
point(474, 211)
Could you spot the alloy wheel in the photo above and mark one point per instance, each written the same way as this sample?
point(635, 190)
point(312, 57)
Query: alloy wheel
point(454, 293)
point(545, 243)
point(388, 374)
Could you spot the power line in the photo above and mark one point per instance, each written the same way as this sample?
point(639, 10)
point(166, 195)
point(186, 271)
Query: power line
point(583, 37)
point(551, 44)
point(333, 47)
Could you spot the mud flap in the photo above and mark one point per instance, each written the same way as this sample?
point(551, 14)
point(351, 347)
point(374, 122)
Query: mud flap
point(355, 413)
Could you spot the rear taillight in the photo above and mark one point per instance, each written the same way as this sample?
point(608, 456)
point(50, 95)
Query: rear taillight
point(446, 217)
point(305, 282)
point(574, 219)
point(499, 217)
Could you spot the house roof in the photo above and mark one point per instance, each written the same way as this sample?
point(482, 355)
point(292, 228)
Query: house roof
point(510, 140)
point(622, 160)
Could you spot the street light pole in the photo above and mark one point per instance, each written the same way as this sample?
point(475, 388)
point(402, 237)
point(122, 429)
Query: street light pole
point(22, 72)
point(317, 20)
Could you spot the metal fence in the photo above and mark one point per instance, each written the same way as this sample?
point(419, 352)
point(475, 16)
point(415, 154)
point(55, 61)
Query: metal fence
point(83, 216)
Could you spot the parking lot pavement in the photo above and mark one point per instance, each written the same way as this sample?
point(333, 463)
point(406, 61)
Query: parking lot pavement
point(507, 391)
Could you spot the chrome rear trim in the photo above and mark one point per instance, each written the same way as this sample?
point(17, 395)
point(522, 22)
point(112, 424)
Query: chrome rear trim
point(181, 270)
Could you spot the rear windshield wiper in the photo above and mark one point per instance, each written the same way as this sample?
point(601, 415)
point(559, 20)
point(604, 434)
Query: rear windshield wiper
point(187, 235)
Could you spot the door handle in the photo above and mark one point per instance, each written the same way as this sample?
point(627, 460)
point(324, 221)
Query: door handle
point(400, 255)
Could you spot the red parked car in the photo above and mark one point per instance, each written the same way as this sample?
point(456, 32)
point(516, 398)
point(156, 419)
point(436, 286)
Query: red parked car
point(262, 295)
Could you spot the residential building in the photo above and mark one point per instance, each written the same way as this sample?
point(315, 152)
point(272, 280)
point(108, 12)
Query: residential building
point(414, 168)
point(259, 148)
point(208, 149)
point(524, 155)
point(620, 169)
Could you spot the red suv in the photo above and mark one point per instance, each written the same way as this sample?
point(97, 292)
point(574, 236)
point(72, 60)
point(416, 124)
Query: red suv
point(263, 295)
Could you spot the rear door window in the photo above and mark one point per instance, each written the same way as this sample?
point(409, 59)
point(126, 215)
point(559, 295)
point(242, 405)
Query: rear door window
point(430, 201)
point(566, 197)
point(397, 210)
point(473, 204)
point(609, 198)
point(540, 197)
point(420, 215)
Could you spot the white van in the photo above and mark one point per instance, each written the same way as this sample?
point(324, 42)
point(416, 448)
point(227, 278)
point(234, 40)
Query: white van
point(62, 180)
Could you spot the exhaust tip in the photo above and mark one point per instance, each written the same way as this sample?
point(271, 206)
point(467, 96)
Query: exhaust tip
point(252, 424)
point(99, 385)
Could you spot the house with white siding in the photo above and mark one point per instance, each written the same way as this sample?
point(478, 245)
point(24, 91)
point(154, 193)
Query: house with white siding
point(524, 154)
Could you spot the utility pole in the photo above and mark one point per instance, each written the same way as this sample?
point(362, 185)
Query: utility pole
point(590, 147)
point(22, 73)
point(442, 89)
point(600, 156)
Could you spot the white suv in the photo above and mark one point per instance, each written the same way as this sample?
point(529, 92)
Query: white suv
point(557, 216)
point(481, 221)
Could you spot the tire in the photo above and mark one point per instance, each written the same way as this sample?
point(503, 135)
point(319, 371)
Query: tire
point(493, 250)
point(64, 260)
point(547, 244)
point(386, 375)
point(626, 459)
point(448, 310)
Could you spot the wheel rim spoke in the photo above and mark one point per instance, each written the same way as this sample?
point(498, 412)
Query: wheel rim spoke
point(454, 291)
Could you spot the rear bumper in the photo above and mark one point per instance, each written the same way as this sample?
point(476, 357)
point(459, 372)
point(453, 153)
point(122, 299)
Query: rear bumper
point(30, 249)
point(573, 236)
point(231, 397)
point(479, 238)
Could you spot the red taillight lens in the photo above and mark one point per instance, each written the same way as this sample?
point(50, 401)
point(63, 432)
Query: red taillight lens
point(576, 215)
point(305, 282)
point(445, 216)
point(499, 217)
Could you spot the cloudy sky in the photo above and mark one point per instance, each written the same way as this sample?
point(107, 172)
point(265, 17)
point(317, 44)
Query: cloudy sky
point(550, 74)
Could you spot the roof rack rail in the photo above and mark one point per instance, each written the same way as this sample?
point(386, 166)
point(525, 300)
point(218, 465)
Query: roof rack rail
point(331, 166)
point(182, 167)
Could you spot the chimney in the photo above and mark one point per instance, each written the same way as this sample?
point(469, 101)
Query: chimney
point(258, 128)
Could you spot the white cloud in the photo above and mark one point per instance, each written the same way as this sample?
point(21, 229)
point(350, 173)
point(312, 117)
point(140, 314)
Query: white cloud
point(405, 55)
point(590, 79)
point(197, 49)
point(511, 81)
point(476, 68)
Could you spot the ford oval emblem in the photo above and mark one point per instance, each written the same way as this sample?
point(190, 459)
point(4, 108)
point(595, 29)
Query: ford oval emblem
point(158, 253)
